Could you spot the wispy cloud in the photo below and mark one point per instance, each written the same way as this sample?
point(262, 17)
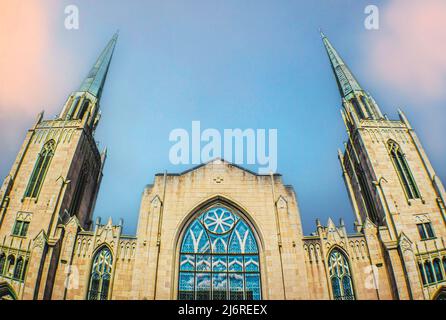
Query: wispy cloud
point(409, 52)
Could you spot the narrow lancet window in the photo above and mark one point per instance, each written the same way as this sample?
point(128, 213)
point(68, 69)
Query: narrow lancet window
point(18, 269)
point(79, 191)
point(357, 108)
point(437, 270)
point(367, 107)
point(73, 108)
point(403, 170)
point(367, 196)
point(40, 170)
point(83, 109)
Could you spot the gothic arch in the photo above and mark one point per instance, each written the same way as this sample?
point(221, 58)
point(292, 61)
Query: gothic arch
point(224, 201)
point(7, 292)
point(101, 270)
point(339, 248)
point(440, 294)
point(340, 293)
point(195, 212)
point(403, 170)
point(100, 247)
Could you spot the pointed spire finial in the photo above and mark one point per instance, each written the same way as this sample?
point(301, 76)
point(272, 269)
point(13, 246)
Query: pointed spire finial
point(347, 83)
point(322, 33)
point(94, 83)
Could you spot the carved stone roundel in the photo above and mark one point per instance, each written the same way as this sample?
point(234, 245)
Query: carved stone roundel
point(219, 220)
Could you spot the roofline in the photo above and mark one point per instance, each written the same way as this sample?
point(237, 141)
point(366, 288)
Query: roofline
point(218, 158)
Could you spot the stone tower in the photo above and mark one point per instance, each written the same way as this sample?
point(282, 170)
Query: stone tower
point(392, 187)
point(55, 178)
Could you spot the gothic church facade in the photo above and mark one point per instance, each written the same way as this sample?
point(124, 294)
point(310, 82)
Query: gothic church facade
point(219, 231)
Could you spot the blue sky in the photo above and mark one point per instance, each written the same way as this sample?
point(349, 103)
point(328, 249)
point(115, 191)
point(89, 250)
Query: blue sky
point(229, 64)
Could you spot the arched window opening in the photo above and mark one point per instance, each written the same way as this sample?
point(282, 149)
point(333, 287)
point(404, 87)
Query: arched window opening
point(219, 258)
point(2, 263)
point(7, 292)
point(441, 296)
point(10, 266)
point(357, 108)
point(40, 169)
point(367, 107)
point(73, 108)
point(429, 272)
point(444, 264)
point(340, 276)
point(100, 275)
point(18, 269)
point(403, 170)
point(79, 191)
point(25, 266)
point(367, 196)
point(423, 277)
point(437, 270)
point(83, 109)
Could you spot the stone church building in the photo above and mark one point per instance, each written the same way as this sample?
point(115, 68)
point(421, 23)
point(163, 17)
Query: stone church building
point(219, 231)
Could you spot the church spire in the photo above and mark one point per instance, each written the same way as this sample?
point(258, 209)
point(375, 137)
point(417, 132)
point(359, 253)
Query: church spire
point(349, 88)
point(94, 83)
point(344, 77)
point(84, 103)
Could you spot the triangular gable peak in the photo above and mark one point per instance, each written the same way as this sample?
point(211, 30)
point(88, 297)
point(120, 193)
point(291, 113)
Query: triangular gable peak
point(333, 233)
point(216, 163)
point(108, 232)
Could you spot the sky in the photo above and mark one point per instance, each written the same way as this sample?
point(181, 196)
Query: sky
point(228, 64)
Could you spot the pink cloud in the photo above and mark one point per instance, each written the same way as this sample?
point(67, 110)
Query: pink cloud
point(409, 51)
point(24, 39)
point(28, 83)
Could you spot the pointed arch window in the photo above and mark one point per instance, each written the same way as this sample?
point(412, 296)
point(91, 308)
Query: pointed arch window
point(73, 108)
point(403, 170)
point(219, 258)
point(40, 169)
point(25, 266)
point(357, 108)
point(441, 295)
point(368, 108)
point(367, 196)
point(437, 270)
point(9, 266)
point(423, 277)
point(100, 275)
point(18, 269)
point(429, 272)
point(340, 276)
point(80, 190)
point(83, 109)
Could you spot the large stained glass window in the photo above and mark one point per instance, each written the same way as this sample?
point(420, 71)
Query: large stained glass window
point(219, 259)
point(340, 276)
point(100, 275)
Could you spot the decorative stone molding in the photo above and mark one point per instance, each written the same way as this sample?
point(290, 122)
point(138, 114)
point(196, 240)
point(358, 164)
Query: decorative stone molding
point(422, 218)
point(156, 202)
point(282, 203)
point(24, 216)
